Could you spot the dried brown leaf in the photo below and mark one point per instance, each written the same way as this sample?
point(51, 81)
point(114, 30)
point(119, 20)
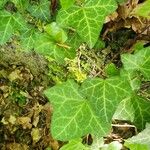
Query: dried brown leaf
point(25, 122)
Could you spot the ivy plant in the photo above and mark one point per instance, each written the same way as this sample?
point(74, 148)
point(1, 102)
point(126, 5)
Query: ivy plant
point(87, 107)
point(83, 109)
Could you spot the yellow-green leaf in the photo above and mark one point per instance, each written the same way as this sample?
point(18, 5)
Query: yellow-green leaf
point(66, 3)
point(56, 32)
point(46, 46)
point(143, 9)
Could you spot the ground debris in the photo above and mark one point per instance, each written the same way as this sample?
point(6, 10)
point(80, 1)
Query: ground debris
point(25, 114)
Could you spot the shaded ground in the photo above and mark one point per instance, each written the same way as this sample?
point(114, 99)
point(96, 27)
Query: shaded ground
point(24, 112)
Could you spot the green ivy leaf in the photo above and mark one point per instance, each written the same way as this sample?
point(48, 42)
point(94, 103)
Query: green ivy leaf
point(74, 40)
point(140, 61)
point(41, 10)
point(140, 141)
point(87, 19)
point(46, 46)
point(141, 111)
point(121, 1)
point(106, 94)
point(75, 145)
point(99, 45)
point(138, 46)
point(73, 116)
point(66, 3)
point(125, 110)
point(57, 33)
point(86, 109)
point(111, 70)
point(135, 109)
point(28, 38)
point(133, 78)
point(2, 3)
point(9, 23)
point(143, 9)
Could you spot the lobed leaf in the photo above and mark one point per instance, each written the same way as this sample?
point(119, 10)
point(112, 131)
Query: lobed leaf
point(73, 116)
point(87, 19)
point(140, 61)
point(86, 109)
